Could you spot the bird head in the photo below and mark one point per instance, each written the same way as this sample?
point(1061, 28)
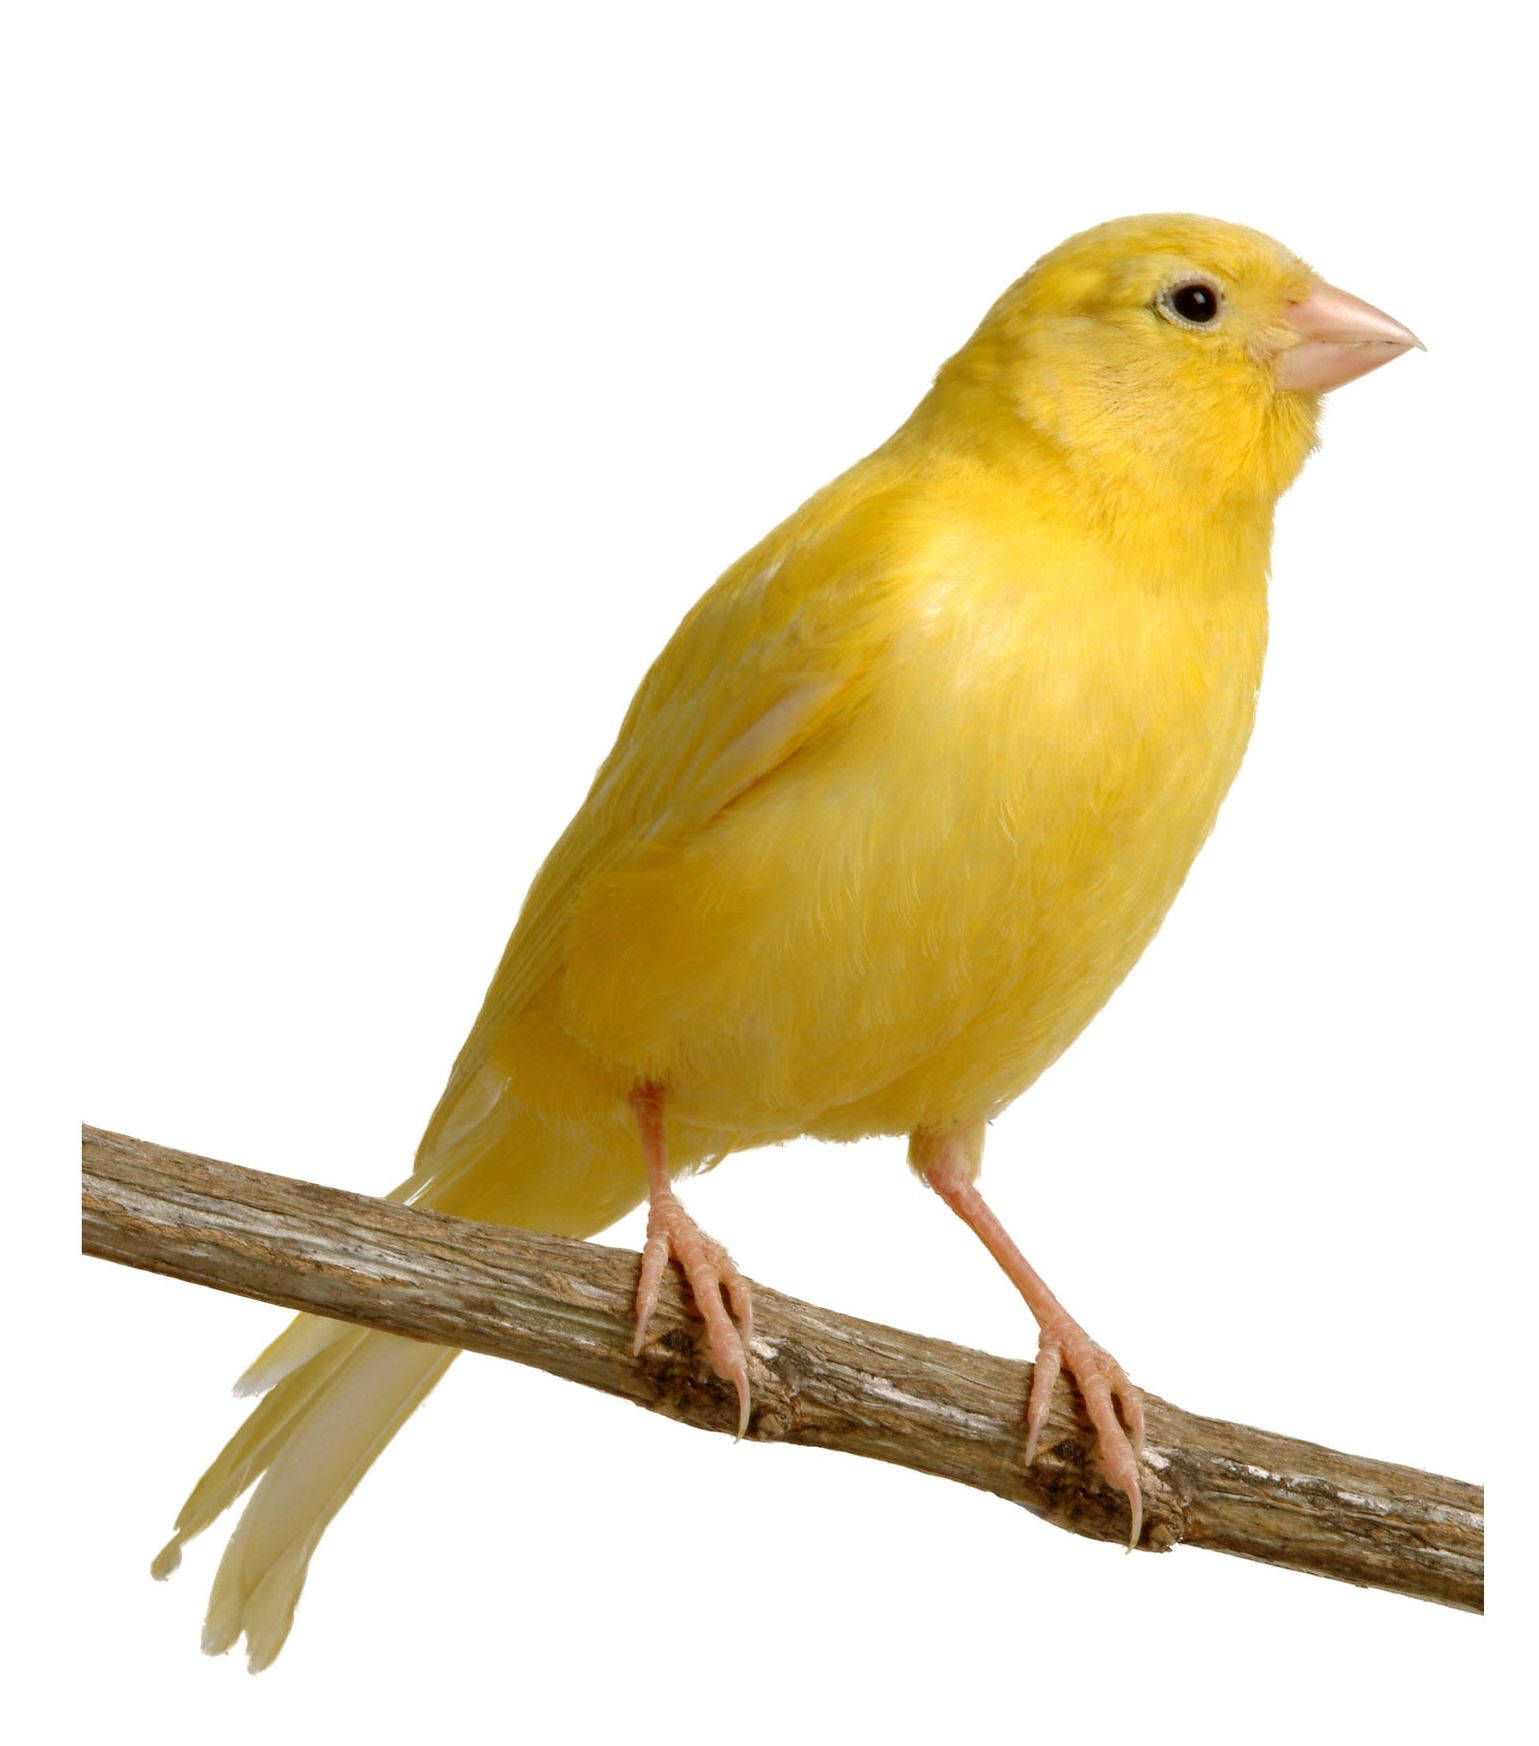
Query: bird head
point(1173, 354)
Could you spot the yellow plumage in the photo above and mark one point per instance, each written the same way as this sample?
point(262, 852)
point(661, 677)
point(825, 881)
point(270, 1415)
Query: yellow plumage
point(889, 819)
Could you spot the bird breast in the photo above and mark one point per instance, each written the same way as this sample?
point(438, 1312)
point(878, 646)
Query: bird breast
point(917, 914)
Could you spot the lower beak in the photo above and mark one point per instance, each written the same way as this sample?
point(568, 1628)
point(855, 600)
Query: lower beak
point(1339, 339)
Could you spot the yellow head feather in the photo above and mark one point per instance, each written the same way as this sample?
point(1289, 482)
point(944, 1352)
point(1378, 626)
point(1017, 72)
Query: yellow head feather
point(1085, 357)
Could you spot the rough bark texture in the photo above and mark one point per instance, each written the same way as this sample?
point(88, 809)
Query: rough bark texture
point(818, 1377)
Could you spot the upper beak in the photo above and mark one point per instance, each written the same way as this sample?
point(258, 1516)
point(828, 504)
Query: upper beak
point(1339, 339)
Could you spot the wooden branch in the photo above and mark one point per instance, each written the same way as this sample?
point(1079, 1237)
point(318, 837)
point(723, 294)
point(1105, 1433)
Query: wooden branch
point(818, 1377)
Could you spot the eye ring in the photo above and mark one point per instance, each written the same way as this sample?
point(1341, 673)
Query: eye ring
point(1195, 303)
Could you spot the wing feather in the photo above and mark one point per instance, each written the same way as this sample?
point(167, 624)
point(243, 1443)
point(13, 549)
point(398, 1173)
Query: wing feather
point(777, 654)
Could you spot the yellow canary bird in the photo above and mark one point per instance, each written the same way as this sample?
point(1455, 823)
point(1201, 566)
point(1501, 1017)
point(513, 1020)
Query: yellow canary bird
point(892, 814)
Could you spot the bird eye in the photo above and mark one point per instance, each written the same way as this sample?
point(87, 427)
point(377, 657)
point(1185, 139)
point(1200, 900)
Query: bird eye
point(1195, 303)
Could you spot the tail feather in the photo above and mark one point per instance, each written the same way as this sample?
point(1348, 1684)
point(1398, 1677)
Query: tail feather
point(251, 1450)
point(334, 1395)
point(305, 1337)
point(322, 1451)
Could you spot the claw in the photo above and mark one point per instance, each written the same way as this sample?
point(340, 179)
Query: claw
point(1130, 1403)
point(714, 1283)
point(949, 1163)
point(654, 1258)
point(741, 1300)
point(1115, 1408)
point(1044, 1375)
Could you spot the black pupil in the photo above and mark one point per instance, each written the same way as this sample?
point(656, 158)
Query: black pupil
point(1195, 303)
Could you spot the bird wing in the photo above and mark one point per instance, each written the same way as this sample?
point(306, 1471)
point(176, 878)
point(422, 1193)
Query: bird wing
point(776, 655)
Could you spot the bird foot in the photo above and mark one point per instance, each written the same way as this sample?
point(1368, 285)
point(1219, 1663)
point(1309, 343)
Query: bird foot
point(949, 1163)
point(715, 1284)
point(1114, 1406)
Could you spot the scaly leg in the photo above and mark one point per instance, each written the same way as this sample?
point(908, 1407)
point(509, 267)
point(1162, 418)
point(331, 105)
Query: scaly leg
point(714, 1281)
point(950, 1163)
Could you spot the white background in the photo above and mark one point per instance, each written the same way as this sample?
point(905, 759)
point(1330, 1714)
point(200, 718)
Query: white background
point(386, 383)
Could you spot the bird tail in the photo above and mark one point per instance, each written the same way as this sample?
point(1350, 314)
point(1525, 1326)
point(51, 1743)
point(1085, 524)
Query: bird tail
point(334, 1395)
point(310, 1441)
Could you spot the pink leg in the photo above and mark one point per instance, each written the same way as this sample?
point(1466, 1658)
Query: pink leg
point(714, 1281)
point(949, 1164)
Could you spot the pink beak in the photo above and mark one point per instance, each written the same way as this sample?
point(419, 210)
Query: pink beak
point(1340, 339)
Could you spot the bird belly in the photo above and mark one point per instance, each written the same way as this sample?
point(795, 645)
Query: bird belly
point(912, 920)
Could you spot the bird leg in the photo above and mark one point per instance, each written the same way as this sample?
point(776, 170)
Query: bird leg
point(950, 1163)
point(714, 1281)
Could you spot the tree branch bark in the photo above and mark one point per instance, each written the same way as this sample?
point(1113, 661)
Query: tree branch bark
point(818, 1377)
